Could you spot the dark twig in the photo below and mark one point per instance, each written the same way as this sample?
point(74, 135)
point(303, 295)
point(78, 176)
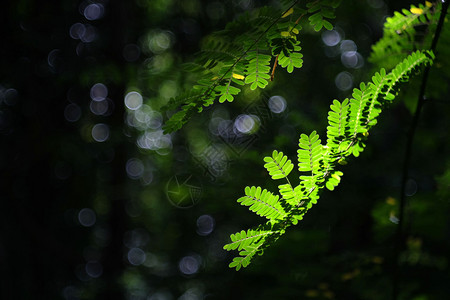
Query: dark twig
point(399, 240)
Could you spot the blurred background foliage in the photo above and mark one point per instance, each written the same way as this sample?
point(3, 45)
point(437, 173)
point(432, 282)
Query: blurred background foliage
point(97, 203)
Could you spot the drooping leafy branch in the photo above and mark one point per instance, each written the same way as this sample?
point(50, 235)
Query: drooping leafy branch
point(243, 54)
point(349, 123)
point(247, 53)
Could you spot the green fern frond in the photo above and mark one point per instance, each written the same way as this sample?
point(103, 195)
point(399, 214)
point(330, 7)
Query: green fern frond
point(278, 166)
point(311, 184)
point(403, 70)
point(379, 81)
point(241, 240)
point(405, 20)
point(248, 243)
point(230, 74)
point(294, 60)
point(218, 51)
point(182, 98)
point(349, 122)
point(244, 259)
point(333, 179)
point(258, 67)
point(309, 153)
point(242, 52)
point(263, 203)
point(282, 45)
point(338, 124)
point(229, 60)
point(178, 119)
point(285, 45)
point(292, 196)
point(357, 120)
point(400, 34)
point(322, 10)
point(227, 91)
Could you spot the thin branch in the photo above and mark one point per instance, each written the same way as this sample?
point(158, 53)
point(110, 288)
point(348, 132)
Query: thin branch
point(275, 64)
point(272, 75)
point(408, 151)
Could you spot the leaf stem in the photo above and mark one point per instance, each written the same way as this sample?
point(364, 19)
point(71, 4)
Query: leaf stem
point(272, 75)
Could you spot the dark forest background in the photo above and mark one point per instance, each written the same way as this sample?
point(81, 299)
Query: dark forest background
point(97, 203)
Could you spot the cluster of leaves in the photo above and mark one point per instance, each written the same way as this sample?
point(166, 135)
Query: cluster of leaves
point(349, 123)
point(405, 32)
point(411, 30)
point(247, 53)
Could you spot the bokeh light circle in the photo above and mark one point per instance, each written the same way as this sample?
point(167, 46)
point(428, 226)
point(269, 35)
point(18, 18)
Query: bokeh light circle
point(344, 81)
point(136, 256)
point(99, 92)
point(189, 265)
point(94, 269)
point(100, 132)
point(77, 31)
point(87, 217)
point(348, 45)
point(352, 59)
point(72, 112)
point(93, 11)
point(246, 123)
point(99, 107)
point(135, 168)
point(205, 225)
point(277, 104)
point(331, 38)
point(133, 100)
